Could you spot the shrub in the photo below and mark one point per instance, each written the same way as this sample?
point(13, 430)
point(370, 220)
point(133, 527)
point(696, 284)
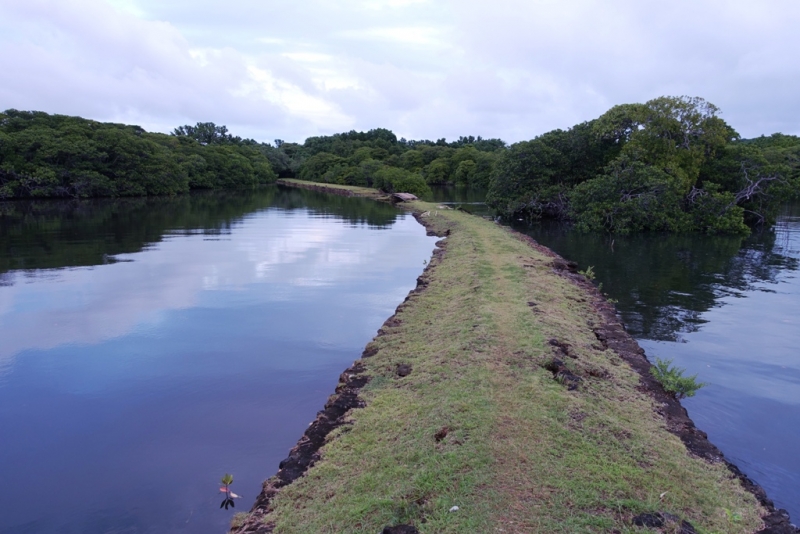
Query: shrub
point(672, 379)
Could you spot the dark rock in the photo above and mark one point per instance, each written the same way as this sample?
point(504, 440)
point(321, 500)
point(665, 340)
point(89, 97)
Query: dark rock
point(562, 374)
point(649, 520)
point(660, 519)
point(400, 529)
point(565, 349)
point(777, 522)
point(403, 369)
point(369, 351)
point(560, 264)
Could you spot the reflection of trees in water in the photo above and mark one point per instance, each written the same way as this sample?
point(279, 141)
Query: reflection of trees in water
point(664, 283)
point(458, 194)
point(54, 234)
point(352, 209)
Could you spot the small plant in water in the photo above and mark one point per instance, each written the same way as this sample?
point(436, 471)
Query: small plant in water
point(672, 379)
point(227, 480)
point(588, 272)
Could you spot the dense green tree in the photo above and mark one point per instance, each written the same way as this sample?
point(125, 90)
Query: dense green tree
point(393, 179)
point(670, 164)
point(45, 155)
point(356, 158)
point(207, 133)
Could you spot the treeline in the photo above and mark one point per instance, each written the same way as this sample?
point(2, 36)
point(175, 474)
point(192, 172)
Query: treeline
point(378, 159)
point(670, 164)
point(44, 155)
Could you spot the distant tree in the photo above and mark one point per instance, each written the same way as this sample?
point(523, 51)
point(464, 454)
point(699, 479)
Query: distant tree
point(44, 155)
point(207, 133)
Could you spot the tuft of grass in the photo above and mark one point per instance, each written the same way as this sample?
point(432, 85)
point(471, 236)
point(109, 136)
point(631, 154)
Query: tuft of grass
point(588, 273)
point(672, 379)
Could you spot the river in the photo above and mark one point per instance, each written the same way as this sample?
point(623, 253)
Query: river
point(149, 346)
point(726, 309)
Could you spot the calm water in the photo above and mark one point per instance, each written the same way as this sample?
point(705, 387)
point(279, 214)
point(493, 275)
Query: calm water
point(147, 347)
point(727, 309)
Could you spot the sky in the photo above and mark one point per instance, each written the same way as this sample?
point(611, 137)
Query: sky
point(425, 69)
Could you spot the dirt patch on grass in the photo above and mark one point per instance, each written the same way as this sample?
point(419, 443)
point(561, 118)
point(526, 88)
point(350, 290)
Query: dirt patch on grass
point(611, 334)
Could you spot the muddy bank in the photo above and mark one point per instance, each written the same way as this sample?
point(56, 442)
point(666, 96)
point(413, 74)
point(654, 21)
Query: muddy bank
point(611, 334)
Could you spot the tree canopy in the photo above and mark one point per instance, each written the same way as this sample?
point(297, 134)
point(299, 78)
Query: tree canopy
point(44, 155)
point(379, 159)
point(670, 164)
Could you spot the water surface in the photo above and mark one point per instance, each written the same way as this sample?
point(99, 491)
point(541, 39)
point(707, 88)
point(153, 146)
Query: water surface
point(148, 346)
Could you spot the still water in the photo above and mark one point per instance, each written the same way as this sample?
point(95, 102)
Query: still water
point(728, 310)
point(148, 346)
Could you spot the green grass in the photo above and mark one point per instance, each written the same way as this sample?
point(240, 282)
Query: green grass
point(356, 190)
point(523, 454)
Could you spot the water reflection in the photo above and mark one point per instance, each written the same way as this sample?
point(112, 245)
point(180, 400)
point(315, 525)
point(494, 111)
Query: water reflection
point(726, 309)
point(57, 234)
point(470, 199)
point(665, 283)
point(148, 346)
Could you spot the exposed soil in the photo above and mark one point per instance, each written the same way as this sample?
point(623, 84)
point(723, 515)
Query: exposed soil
point(612, 335)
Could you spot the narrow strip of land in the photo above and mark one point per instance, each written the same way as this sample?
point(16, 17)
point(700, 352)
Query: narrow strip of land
point(491, 404)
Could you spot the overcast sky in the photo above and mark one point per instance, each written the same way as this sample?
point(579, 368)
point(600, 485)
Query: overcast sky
point(423, 68)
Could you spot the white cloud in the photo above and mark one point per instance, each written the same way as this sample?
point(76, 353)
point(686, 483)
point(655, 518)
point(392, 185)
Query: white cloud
point(400, 35)
point(424, 69)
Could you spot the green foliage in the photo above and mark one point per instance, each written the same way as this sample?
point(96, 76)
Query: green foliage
point(733, 517)
point(227, 480)
point(395, 180)
point(588, 273)
point(363, 159)
point(45, 155)
point(207, 133)
point(534, 178)
point(630, 197)
point(672, 379)
point(670, 164)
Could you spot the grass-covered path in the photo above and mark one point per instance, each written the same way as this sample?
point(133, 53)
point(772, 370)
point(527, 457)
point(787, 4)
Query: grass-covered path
point(478, 421)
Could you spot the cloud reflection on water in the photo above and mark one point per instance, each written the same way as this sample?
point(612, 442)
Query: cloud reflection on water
point(84, 306)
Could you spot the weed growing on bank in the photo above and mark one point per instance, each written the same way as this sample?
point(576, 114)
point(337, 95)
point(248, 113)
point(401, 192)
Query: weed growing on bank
point(672, 379)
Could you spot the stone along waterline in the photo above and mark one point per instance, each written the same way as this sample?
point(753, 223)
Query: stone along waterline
point(149, 346)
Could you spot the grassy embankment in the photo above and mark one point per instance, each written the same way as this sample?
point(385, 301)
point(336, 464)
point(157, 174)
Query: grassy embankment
point(479, 423)
point(349, 190)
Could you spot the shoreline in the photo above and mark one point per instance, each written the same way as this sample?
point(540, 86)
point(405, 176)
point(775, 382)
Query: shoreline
point(566, 361)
